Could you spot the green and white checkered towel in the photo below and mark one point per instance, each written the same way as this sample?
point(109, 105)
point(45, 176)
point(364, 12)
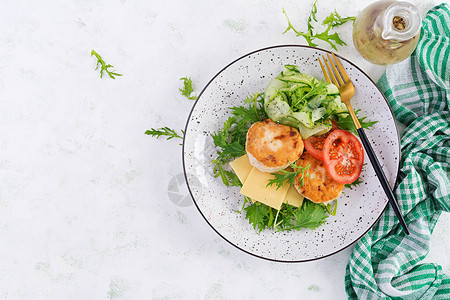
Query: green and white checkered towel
point(386, 263)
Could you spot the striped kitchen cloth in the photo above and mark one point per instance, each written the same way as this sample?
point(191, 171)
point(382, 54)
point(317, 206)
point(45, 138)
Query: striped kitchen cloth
point(385, 263)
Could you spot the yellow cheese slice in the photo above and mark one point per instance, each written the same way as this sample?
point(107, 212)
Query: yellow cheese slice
point(255, 188)
point(293, 197)
point(242, 167)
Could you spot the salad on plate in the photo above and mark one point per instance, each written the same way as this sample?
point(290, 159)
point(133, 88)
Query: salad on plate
point(291, 150)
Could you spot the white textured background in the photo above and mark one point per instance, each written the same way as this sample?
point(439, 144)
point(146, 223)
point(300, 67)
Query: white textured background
point(84, 205)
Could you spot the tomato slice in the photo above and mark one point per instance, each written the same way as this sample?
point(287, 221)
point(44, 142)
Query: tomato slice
point(343, 156)
point(314, 144)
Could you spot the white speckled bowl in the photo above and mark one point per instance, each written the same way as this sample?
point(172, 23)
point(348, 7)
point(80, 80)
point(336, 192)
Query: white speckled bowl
point(358, 209)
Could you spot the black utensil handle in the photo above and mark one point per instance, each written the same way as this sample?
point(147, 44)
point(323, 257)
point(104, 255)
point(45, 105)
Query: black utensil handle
point(380, 174)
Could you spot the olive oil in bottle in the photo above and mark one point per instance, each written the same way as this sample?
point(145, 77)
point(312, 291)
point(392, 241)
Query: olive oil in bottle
point(387, 32)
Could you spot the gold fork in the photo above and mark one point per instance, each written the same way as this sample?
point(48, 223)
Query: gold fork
point(347, 90)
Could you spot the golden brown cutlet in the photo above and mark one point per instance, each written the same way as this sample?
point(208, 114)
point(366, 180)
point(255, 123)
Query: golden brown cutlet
point(271, 146)
point(319, 187)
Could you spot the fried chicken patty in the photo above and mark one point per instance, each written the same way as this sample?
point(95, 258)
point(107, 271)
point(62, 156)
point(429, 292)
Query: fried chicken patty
point(318, 187)
point(271, 146)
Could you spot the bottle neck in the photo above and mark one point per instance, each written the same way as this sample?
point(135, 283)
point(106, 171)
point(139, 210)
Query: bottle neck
point(400, 21)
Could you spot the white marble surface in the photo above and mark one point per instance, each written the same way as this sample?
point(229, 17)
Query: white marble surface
point(84, 205)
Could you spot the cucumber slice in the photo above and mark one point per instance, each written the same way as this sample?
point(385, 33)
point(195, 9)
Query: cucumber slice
point(293, 86)
point(318, 113)
point(318, 129)
point(272, 89)
point(340, 106)
point(323, 129)
point(278, 108)
point(292, 68)
point(288, 70)
point(300, 77)
point(304, 117)
point(307, 109)
point(289, 120)
point(316, 101)
point(332, 89)
point(336, 106)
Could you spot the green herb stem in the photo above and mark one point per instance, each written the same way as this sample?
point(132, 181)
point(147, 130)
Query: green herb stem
point(103, 66)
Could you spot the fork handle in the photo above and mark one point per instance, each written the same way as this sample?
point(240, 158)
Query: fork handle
point(380, 174)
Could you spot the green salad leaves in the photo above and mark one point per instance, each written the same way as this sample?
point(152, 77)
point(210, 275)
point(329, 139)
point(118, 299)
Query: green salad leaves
point(302, 101)
point(309, 215)
point(299, 100)
point(231, 138)
point(230, 142)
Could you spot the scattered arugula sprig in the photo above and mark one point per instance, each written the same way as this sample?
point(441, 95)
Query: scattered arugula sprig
point(335, 20)
point(187, 89)
point(104, 66)
point(332, 21)
point(289, 176)
point(164, 131)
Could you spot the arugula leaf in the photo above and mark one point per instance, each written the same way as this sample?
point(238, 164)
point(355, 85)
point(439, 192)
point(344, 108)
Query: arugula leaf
point(346, 122)
point(104, 66)
point(357, 182)
point(254, 112)
point(285, 217)
point(317, 87)
point(220, 138)
point(246, 114)
point(231, 138)
point(259, 111)
point(246, 200)
point(289, 176)
point(234, 149)
point(233, 179)
point(290, 27)
point(164, 131)
point(331, 39)
point(332, 21)
point(335, 20)
point(310, 215)
point(331, 207)
point(312, 15)
point(251, 99)
point(308, 36)
point(187, 89)
point(257, 215)
point(354, 184)
point(219, 171)
point(229, 178)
